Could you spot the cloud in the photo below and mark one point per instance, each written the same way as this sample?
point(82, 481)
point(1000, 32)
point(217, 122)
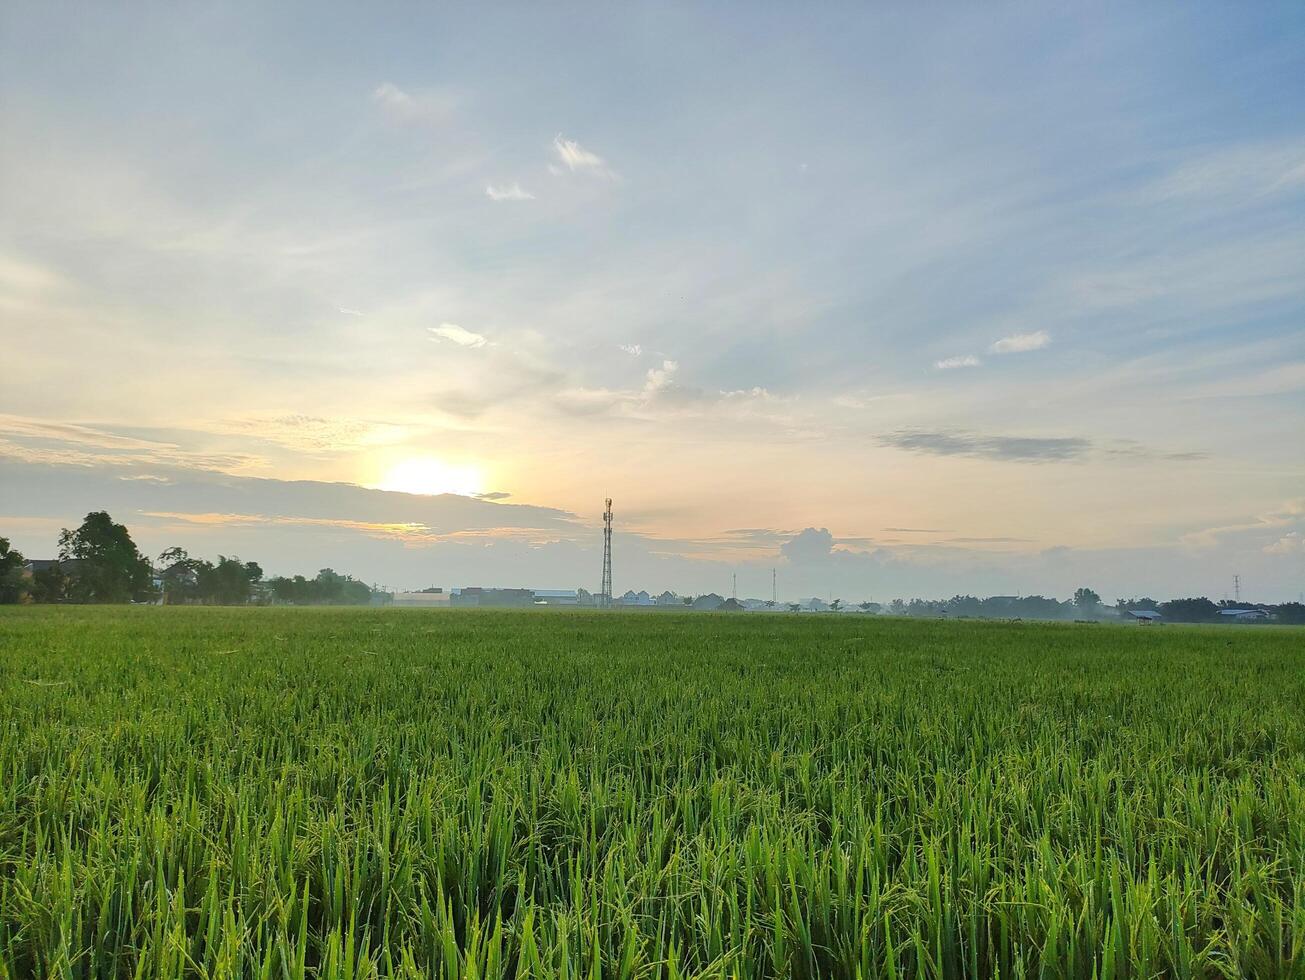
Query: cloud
point(963, 361)
point(508, 192)
point(1292, 543)
point(808, 545)
point(1018, 343)
point(579, 160)
point(458, 335)
point(401, 106)
point(634, 350)
point(1274, 381)
point(493, 495)
point(1006, 448)
point(347, 311)
point(1254, 169)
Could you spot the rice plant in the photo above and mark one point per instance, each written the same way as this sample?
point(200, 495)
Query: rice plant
point(191, 792)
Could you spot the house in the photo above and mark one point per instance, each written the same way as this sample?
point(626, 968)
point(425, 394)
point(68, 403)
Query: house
point(424, 599)
point(557, 597)
point(38, 565)
point(1144, 616)
point(1243, 615)
point(669, 599)
point(632, 598)
point(731, 605)
point(497, 598)
point(708, 603)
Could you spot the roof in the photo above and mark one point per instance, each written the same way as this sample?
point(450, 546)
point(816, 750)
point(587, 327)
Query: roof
point(1242, 612)
point(555, 593)
point(1144, 614)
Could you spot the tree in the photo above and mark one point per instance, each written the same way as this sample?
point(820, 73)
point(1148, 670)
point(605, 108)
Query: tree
point(1088, 602)
point(870, 607)
point(794, 607)
point(1200, 610)
point(836, 605)
point(109, 567)
point(1291, 612)
point(12, 587)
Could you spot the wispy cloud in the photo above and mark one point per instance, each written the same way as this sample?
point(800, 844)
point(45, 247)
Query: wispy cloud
point(458, 335)
point(348, 311)
point(1262, 168)
point(508, 192)
point(962, 361)
point(1023, 449)
point(1291, 543)
point(1018, 343)
point(634, 350)
point(579, 160)
point(403, 106)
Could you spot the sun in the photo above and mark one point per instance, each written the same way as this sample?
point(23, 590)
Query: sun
point(431, 476)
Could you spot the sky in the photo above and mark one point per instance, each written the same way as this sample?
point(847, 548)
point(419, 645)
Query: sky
point(892, 299)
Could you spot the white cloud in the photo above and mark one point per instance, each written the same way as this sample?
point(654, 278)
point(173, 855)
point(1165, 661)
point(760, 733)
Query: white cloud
point(963, 361)
point(508, 192)
point(458, 335)
point(1017, 343)
point(1237, 170)
point(579, 160)
point(431, 106)
point(634, 350)
point(347, 311)
point(659, 379)
point(1292, 543)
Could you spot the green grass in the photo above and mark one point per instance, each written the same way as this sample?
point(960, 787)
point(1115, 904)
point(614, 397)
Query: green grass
point(355, 793)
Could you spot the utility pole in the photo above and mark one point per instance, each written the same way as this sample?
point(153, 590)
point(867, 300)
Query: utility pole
point(605, 594)
point(734, 589)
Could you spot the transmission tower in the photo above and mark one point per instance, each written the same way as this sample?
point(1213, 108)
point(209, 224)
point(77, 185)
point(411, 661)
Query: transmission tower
point(605, 595)
point(1237, 589)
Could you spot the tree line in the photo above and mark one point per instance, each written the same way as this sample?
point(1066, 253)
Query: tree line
point(1086, 604)
point(100, 563)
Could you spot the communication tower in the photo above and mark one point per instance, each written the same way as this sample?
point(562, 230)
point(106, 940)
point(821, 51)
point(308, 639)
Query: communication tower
point(605, 594)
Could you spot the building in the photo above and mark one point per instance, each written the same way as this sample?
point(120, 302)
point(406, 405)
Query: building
point(557, 597)
point(669, 598)
point(1243, 615)
point(708, 603)
point(632, 598)
point(421, 600)
point(1144, 616)
point(493, 598)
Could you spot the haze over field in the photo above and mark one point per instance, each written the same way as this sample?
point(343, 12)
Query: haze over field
point(900, 302)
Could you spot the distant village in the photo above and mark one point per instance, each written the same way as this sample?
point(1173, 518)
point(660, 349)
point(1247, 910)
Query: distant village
point(98, 562)
point(1085, 606)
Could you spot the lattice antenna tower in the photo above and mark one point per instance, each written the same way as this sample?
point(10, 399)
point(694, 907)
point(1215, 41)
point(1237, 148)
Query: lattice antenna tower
point(605, 594)
point(1237, 589)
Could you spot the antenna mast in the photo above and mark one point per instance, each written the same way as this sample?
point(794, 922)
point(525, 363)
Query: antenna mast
point(605, 595)
point(1237, 589)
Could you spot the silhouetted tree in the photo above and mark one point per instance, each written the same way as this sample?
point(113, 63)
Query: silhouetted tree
point(12, 587)
point(109, 567)
point(1087, 601)
point(1200, 610)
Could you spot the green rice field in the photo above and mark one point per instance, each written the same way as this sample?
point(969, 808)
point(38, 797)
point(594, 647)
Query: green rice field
point(286, 793)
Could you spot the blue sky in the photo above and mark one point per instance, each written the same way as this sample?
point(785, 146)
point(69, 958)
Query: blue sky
point(1025, 281)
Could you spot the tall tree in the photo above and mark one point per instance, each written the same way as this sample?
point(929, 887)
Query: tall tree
point(109, 567)
point(12, 587)
point(1087, 600)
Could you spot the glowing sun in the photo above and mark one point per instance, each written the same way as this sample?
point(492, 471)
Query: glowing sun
point(427, 475)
